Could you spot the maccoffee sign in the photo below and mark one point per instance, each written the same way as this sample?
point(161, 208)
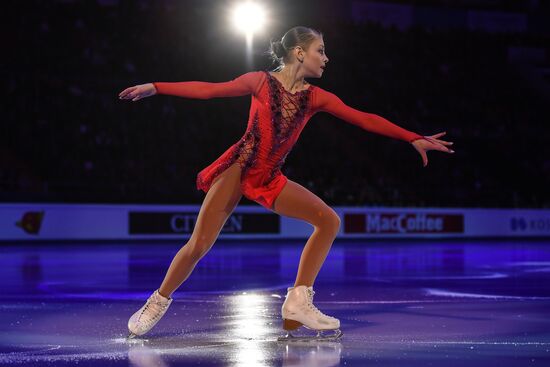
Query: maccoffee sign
point(403, 223)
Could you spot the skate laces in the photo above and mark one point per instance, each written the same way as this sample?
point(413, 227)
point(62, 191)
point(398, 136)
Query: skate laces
point(155, 306)
point(310, 294)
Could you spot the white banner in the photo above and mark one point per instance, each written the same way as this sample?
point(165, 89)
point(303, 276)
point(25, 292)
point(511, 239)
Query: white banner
point(115, 222)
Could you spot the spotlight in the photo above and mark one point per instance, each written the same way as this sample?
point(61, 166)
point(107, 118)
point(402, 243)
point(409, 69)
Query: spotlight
point(249, 17)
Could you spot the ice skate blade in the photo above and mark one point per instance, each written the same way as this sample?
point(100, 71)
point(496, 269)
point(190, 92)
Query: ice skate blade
point(319, 337)
point(131, 336)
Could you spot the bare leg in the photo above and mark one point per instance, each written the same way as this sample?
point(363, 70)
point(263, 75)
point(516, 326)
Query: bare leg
point(298, 202)
point(219, 203)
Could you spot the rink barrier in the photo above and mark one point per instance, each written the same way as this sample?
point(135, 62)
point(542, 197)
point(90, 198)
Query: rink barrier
point(116, 222)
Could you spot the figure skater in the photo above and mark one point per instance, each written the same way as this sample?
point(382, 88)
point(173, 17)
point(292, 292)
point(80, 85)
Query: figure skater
point(282, 102)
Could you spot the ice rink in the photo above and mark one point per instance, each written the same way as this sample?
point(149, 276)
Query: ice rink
point(415, 303)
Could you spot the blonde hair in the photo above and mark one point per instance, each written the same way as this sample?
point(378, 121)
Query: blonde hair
point(297, 36)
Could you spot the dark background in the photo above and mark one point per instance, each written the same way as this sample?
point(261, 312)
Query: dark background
point(66, 137)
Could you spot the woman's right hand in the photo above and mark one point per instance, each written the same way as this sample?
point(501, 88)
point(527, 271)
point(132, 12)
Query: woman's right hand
point(138, 92)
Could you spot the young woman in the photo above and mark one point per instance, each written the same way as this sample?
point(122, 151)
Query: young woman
point(282, 103)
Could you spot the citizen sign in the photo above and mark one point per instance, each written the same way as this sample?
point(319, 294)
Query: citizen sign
point(184, 222)
point(403, 223)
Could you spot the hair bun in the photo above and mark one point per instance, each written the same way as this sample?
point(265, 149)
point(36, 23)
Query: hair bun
point(298, 36)
point(278, 49)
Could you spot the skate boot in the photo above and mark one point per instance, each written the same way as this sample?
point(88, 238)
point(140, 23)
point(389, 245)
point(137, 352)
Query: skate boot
point(146, 317)
point(298, 310)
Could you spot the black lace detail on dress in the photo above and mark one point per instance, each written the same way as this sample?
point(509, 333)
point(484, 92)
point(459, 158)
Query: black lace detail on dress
point(207, 183)
point(287, 114)
point(245, 153)
point(248, 147)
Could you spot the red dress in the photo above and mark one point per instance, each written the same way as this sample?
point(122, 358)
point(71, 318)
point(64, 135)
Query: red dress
point(276, 119)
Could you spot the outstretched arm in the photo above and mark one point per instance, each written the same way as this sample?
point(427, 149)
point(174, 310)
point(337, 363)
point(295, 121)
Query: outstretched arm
point(328, 102)
point(243, 85)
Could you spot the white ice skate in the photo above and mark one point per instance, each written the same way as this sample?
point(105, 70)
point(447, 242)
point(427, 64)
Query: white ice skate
point(146, 317)
point(298, 310)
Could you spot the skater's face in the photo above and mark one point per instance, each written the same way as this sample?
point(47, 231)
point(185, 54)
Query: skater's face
point(315, 58)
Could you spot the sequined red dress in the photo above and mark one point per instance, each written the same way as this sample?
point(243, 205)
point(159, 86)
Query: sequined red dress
point(276, 119)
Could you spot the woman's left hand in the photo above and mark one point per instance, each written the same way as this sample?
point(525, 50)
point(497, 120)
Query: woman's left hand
point(431, 143)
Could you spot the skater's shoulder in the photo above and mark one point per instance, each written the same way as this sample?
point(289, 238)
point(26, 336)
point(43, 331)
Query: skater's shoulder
point(322, 97)
point(252, 80)
point(253, 75)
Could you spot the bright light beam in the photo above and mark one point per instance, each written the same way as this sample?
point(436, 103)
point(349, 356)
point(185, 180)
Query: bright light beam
point(249, 18)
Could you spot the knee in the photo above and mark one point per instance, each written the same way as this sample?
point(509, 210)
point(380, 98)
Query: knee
point(328, 220)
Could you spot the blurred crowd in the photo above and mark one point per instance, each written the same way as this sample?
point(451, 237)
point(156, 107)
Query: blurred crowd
point(66, 137)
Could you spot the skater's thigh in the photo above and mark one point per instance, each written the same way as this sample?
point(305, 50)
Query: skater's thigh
point(296, 201)
point(220, 201)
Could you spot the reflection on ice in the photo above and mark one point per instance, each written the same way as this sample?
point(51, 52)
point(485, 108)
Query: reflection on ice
point(444, 293)
point(322, 354)
point(142, 356)
point(251, 316)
